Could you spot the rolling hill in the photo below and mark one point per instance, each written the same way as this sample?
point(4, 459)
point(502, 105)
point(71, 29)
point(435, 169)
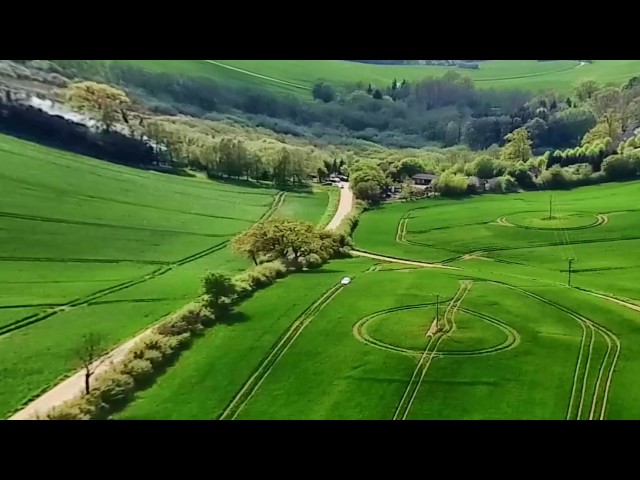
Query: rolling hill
point(298, 76)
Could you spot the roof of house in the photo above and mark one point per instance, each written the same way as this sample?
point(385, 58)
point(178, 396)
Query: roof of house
point(424, 176)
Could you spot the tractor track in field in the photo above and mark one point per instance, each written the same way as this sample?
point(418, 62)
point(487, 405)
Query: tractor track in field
point(404, 406)
point(69, 388)
point(285, 341)
point(257, 75)
point(283, 344)
point(601, 219)
point(81, 260)
point(361, 334)
point(34, 218)
point(163, 270)
point(89, 299)
point(401, 237)
point(597, 404)
point(401, 232)
point(606, 367)
point(512, 340)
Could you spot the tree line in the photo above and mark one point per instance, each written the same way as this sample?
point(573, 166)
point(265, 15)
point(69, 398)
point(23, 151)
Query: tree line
point(446, 110)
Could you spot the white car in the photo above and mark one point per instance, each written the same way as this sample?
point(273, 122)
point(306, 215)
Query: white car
point(346, 281)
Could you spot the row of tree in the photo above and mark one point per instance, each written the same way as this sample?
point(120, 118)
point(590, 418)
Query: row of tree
point(181, 145)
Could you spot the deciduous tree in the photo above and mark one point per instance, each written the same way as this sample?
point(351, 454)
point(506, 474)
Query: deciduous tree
point(219, 291)
point(88, 354)
point(518, 147)
point(106, 104)
point(585, 89)
point(369, 191)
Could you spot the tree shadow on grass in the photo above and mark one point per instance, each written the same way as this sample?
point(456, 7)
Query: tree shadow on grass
point(142, 385)
point(319, 271)
point(237, 182)
point(234, 318)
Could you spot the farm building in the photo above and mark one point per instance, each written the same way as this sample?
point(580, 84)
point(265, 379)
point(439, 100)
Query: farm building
point(425, 179)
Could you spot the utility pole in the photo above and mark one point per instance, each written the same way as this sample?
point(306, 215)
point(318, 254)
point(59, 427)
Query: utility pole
point(437, 309)
point(571, 260)
point(550, 206)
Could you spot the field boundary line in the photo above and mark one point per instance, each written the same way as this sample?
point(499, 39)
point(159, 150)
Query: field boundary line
point(258, 75)
point(34, 218)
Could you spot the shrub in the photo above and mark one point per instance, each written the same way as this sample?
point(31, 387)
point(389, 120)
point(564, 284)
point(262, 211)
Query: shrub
point(219, 292)
point(619, 167)
point(555, 178)
point(81, 408)
point(113, 388)
point(139, 370)
point(451, 185)
point(313, 261)
point(243, 287)
point(506, 184)
point(190, 320)
point(260, 276)
point(155, 357)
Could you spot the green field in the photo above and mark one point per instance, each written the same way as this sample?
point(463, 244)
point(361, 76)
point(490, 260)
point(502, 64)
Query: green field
point(511, 340)
point(298, 76)
point(86, 245)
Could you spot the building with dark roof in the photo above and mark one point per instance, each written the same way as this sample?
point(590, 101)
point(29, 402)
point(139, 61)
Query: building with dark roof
point(426, 179)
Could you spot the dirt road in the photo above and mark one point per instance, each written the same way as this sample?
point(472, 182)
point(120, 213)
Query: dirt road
point(344, 207)
point(402, 262)
point(74, 385)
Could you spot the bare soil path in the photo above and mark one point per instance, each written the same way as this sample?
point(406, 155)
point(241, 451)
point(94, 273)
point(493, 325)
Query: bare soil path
point(344, 207)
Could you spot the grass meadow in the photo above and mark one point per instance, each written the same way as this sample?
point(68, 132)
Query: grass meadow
point(87, 245)
point(512, 339)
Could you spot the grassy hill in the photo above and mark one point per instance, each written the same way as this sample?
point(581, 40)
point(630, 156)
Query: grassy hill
point(88, 246)
point(298, 76)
